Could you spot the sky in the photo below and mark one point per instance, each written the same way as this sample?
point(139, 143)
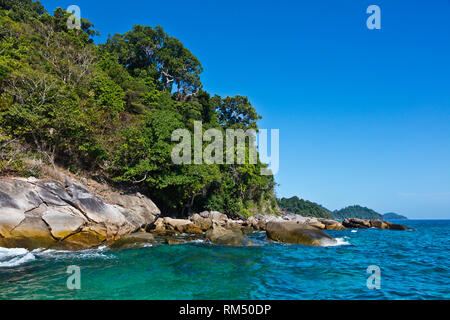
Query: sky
point(364, 115)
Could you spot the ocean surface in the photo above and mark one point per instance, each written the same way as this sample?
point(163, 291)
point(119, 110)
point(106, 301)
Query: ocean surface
point(414, 265)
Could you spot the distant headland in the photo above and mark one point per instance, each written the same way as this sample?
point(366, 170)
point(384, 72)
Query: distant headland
point(307, 208)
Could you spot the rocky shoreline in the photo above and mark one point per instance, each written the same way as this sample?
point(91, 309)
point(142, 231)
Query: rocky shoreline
point(65, 215)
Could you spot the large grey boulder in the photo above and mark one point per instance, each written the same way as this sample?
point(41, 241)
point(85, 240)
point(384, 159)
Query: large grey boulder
point(257, 222)
point(216, 216)
point(48, 214)
point(136, 208)
point(227, 237)
point(296, 233)
point(16, 198)
point(63, 221)
point(167, 226)
point(203, 223)
point(332, 224)
point(133, 240)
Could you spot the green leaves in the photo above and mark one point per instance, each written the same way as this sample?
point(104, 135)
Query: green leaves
point(163, 57)
point(112, 109)
point(108, 94)
point(236, 112)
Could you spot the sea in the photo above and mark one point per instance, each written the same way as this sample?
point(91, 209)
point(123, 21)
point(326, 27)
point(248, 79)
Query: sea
point(368, 264)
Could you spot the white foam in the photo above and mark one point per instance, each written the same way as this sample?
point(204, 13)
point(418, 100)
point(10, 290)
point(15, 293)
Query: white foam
point(5, 253)
point(18, 256)
point(335, 243)
point(14, 257)
point(354, 231)
point(64, 254)
point(147, 245)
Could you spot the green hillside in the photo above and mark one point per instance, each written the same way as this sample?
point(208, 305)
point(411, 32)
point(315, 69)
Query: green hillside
point(394, 216)
point(303, 207)
point(356, 211)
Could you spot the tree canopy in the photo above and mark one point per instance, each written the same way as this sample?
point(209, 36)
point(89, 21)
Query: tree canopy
point(304, 207)
point(357, 211)
point(109, 111)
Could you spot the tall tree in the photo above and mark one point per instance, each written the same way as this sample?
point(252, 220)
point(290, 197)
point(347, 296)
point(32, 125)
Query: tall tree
point(154, 52)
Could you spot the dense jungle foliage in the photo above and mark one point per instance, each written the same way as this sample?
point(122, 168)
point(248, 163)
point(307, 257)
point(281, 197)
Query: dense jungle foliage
point(109, 110)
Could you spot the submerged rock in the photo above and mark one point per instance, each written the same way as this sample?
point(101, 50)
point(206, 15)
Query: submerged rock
point(227, 237)
point(394, 226)
point(133, 240)
point(296, 233)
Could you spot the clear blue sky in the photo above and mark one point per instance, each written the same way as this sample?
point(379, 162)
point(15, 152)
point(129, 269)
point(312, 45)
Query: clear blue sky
point(364, 115)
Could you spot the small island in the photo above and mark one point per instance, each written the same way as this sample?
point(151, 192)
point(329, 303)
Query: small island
point(393, 216)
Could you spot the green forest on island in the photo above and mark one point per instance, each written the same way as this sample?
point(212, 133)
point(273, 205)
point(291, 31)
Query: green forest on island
point(312, 209)
point(304, 207)
point(108, 110)
point(356, 211)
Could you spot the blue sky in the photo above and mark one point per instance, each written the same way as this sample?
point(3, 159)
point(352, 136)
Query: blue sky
point(364, 115)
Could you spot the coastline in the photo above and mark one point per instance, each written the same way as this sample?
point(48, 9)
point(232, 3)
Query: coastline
point(51, 214)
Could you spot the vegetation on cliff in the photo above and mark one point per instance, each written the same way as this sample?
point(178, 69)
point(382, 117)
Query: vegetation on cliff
point(110, 110)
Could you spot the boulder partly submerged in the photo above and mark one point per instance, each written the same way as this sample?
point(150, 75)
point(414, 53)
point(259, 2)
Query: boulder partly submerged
point(330, 224)
point(49, 214)
point(227, 237)
point(365, 224)
point(133, 240)
point(296, 233)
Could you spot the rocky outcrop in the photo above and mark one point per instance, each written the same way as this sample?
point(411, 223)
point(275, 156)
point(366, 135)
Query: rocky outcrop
point(332, 224)
point(379, 224)
point(201, 222)
point(48, 214)
point(215, 216)
point(316, 224)
point(167, 226)
point(257, 222)
point(394, 226)
point(296, 233)
point(365, 224)
point(139, 210)
point(227, 237)
point(356, 223)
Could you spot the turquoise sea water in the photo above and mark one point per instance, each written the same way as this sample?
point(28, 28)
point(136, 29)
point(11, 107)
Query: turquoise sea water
point(414, 265)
